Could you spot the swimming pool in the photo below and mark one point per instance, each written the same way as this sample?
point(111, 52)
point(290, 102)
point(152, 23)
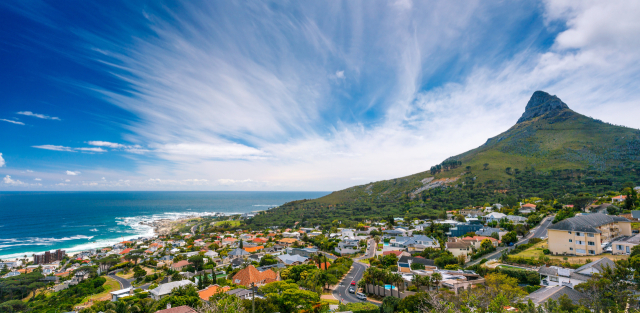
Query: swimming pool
point(389, 287)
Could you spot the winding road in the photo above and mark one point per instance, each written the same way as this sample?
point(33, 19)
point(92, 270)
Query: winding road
point(355, 274)
point(124, 284)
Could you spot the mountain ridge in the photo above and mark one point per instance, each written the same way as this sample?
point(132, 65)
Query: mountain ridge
point(551, 150)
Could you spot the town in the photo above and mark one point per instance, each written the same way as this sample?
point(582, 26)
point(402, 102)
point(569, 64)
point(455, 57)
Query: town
point(537, 256)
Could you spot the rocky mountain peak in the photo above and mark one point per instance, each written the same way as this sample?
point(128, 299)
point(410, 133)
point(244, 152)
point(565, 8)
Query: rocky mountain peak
point(542, 103)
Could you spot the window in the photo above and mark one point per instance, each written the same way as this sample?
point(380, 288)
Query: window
point(628, 251)
point(581, 251)
point(570, 249)
point(590, 235)
point(592, 251)
point(579, 242)
point(591, 243)
point(569, 233)
point(619, 247)
point(553, 278)
point(578, 234)
point(570, 240)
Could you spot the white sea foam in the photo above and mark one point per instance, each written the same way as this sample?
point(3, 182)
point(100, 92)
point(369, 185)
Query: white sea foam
point(138, 225)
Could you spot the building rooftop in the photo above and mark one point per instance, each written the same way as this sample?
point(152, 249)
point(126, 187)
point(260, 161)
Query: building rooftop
point(587, 223)
point(543, 294)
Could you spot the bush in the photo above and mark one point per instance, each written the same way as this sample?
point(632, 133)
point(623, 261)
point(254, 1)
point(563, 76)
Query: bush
point(546, 251)
point(359, 307)
point(483, 261)
point(412, 288)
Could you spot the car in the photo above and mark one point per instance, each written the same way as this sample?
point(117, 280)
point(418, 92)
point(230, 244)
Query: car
point(361, 296)
point(352, 290)
point(353, 283)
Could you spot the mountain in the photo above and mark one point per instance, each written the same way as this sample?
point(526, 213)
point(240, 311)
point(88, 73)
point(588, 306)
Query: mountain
point(551, 150)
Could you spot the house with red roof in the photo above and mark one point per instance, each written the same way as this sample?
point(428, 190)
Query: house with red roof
point(125, 251)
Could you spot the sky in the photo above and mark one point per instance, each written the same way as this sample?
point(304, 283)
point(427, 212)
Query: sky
point(290, 95)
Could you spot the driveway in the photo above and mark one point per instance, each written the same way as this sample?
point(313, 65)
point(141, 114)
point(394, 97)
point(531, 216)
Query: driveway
point(539, 231)
point(124, 284)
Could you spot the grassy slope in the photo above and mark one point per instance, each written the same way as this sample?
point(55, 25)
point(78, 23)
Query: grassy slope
point(570, 141)
point(564, 140)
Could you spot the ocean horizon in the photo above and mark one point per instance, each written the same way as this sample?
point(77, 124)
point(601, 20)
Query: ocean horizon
point(34, 222)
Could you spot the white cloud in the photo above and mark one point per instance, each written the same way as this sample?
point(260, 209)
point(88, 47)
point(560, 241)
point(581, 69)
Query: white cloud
point(37, 179)
point(7, 180)
point(340, 74)
point(91, 149)
point(72, 173)
point(2, 162)
point(107, 144)
point(29, 171)
point(67, 180)
point(42, 116)
point(11, 121)
point(223, 150)
point(54, 148)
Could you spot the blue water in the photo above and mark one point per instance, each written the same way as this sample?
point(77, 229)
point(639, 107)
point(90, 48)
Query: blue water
point(33, 222)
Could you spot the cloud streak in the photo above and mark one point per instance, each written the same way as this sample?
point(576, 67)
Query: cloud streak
point(40, 116)
point(11, 121)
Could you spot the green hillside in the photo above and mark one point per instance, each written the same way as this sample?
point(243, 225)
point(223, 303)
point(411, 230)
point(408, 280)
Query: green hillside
point(549, 152)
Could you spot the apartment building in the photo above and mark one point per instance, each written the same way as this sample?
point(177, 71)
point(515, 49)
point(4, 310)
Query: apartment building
point(585, 234)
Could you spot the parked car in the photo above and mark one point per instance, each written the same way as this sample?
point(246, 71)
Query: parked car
point(352, 290)
point(361, 296)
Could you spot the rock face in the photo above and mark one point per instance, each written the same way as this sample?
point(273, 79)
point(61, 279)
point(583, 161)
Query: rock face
point(542, 103)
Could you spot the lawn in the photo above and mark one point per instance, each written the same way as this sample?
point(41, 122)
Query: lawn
point(130, 274)
point(109, 286)
point(233, 223)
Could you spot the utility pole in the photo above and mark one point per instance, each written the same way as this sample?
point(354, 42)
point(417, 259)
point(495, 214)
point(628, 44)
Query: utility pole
point(253, 298)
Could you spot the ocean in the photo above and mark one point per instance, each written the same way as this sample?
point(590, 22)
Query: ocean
point(34, 222)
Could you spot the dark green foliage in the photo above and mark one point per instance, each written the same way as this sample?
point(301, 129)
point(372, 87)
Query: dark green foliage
point(18, 287)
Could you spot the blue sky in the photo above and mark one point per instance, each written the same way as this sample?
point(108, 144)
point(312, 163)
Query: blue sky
point(226, 95)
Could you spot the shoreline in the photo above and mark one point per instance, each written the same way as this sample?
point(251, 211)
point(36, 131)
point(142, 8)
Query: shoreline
point(155, 227)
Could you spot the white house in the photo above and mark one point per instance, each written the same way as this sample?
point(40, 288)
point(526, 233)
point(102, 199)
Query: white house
point(559, 276)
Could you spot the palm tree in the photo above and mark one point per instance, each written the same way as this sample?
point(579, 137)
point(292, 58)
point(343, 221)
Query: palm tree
point(376, 238)
point(417, 281)
point(436, 278)
point(395, 279)
point(426, 281)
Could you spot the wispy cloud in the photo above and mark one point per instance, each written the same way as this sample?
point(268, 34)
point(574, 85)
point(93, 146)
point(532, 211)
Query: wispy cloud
point(91, 149)
point(73, 173)
point(11, 121)
point(2, 162)
point(42, 116)
point(55, 148)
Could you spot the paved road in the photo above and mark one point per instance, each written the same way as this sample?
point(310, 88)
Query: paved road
point(539, 231)
point(355, 274)
point(124, 284)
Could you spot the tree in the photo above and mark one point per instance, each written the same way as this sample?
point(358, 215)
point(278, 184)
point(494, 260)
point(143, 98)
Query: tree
point(486, 166)
point(197, 261)
point(510, 237)
point(223, 303)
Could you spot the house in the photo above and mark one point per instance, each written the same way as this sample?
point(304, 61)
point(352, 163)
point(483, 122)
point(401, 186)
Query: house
point(305, 252)
point(584, 234)
point(459, 247)
point(404, 263)
point(237, 252)
point(527, 208)
point(250, 275)
point(559, 276)
point(291, 235)
point(516, 219)
point(119, 294)
point(624, 245)
point(165, 289)
point(476, 241)
point(259, 241)
point(11, 264)
point(178, 309)
point(253, 249)
point(211, 254)
point(554, 293)
point(488, 231)
point(240, 293)
point(292, 259)
point(178, 266)
point(494, 216)
point(463, 228)
point(206, 293)
point(620, 198)
point(11, 274)
point(287, 241)
point(343, 251)
point(414, 243)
